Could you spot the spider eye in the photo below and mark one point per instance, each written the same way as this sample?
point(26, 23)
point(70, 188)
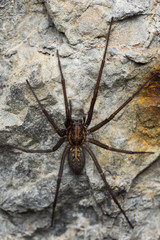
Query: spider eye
point(80, 121)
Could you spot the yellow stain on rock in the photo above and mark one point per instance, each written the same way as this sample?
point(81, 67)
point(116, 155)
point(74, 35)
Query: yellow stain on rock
point(151, 194)
point(148, 112)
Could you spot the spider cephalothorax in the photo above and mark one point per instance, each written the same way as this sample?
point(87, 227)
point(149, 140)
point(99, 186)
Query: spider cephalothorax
point(76, 134)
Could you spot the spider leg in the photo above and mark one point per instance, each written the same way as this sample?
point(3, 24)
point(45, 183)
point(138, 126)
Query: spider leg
point(99, 144)
point(59, 143)
point(70, 106)
point(60, 133)
point(90, 112)
point(59, 180)
point(106, 183)
point(101, 124)
point(68, 113)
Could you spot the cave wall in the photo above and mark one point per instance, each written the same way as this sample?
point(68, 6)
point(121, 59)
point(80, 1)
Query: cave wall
point(30, 33)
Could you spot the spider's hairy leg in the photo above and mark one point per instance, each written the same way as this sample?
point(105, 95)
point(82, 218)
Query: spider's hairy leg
point(68, 113)
point(58, 144)
point(99, 144)
point(90, 112)
point(101, 124)
point(106, 183)
point(60, 133)
point(70, 107)
point(59, 180)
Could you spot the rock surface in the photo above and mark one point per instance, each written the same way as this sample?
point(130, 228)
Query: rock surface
point(30, 33)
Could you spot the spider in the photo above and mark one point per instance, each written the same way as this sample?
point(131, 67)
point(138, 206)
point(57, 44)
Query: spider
point(76, 134)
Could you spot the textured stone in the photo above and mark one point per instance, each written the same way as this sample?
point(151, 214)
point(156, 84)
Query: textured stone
point(85, 19)
point(30, 33)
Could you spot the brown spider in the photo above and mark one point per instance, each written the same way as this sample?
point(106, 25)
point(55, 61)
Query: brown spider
point(76, 134)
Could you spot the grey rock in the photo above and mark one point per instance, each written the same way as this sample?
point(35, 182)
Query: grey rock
point(138, 57)
point(80, 20)
point(30, 34)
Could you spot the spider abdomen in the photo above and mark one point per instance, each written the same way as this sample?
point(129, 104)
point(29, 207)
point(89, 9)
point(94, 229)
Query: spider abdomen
point(76, 159)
